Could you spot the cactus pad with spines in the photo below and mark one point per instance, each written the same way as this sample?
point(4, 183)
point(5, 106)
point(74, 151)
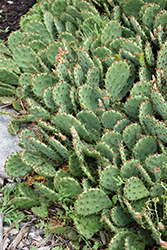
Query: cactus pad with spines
point(92, 201)
point(24, 202)
point(88, 225)
point(40, 82)
point(140, 152)
point(91, 76)
point(108, 178)
point(68, 187)
point(15, 167)
point(116, 79)
point(91, 123)
point(134, 189)
point(119, 217)
point(46, 192)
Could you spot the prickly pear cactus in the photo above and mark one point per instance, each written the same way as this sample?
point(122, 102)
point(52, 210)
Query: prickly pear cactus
point(93, 78)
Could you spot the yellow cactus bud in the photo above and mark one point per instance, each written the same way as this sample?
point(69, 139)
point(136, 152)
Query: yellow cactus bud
point(161, 226)
point(73, 132)
point(138, 215)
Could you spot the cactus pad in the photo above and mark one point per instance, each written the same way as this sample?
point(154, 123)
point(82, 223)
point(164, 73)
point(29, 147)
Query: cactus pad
point(135, 189)
point(92, 201)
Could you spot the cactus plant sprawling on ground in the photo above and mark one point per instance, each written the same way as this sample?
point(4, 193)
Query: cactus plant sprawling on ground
point(93, 78)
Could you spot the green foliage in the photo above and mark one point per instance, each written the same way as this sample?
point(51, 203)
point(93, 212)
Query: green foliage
point(93, 77)
point(11, 215)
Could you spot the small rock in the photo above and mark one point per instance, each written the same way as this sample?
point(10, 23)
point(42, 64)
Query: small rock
point(1, 182)
point(8, 143)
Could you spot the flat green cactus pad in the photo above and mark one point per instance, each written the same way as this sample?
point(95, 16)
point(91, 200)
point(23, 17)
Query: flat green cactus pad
point(88, 226)
point(108, 178)
point(68, 187)
point(135, 189)
point(92, 201)
point(24, 202)
point(15, 167)
point(120, 217)
point(118, 241)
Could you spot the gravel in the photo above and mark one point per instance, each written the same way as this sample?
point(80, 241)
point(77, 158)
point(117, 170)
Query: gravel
point(8, 143)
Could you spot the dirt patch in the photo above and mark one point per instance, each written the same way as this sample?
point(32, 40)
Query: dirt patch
point(11, 13)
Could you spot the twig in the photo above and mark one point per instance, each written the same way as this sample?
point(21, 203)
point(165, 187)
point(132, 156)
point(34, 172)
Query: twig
point(20, 235)
point(6, 105)
point(23, 106)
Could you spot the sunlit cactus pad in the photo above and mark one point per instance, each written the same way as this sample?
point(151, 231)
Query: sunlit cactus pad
point(93, 78)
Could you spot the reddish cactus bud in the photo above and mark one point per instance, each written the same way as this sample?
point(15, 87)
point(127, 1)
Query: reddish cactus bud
point(163, 244)
point(60, 51)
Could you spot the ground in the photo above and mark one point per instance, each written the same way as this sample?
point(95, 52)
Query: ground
point(11, 12)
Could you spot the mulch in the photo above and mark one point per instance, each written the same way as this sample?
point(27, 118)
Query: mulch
point(12, 10)
point(29, 233)
point(29, 236)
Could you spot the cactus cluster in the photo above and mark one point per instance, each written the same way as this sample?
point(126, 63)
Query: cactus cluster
point(93, 78)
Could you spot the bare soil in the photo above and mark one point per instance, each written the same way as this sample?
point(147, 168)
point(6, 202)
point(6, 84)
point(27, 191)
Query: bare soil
point(11, 13)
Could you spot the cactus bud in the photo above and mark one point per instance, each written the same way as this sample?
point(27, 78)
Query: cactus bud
point(66, 50)
point(106, 97)
point(63, 137)
point(60, 51)
point(155, 32)
point(73, 132)
point(156, 199)
point(54, 71)
point(156, 170)
point(160, 28)
point(58, 58)
point(153, 79)
point(152, 36)
point(161, 226)
point(138, 215)
point(100, 102)
point(162, 73)
point(163, 244)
